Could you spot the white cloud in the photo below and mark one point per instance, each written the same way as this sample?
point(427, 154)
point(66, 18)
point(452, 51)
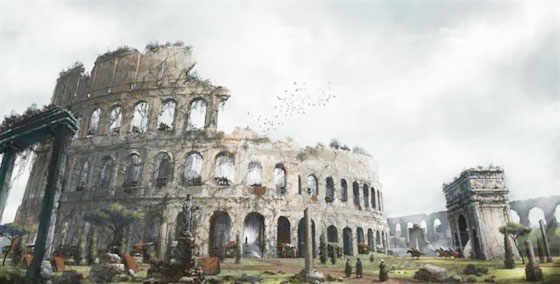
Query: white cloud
point(427, 89)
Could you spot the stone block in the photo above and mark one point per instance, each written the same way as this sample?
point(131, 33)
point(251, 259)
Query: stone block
point(432, 273)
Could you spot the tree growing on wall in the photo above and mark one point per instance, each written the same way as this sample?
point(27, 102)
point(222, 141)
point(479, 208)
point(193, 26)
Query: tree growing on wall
point(115, 217)
point(14, 233)
point(514, 231)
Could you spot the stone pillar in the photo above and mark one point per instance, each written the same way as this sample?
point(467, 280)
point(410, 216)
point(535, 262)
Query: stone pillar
point(308, 242)
point(8, 161)
point(47, 217)
point(545, 241)
point(532, 271)
point(539, 250)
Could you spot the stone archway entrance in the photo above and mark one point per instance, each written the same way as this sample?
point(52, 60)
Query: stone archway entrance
point(347, 239)
point(254, 236)
point(301, 237)
point(463, 230)
point(220, 230)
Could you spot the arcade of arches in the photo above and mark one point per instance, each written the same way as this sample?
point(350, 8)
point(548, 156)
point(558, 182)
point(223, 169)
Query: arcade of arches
point(254, 235)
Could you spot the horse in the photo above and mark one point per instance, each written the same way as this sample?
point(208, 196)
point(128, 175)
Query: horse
point(447, 253)
point(414, 253)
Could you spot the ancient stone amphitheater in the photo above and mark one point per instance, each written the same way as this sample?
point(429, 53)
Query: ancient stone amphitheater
point(148, 137)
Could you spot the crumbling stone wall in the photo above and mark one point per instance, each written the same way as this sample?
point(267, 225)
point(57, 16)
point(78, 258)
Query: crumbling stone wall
point(126, 77)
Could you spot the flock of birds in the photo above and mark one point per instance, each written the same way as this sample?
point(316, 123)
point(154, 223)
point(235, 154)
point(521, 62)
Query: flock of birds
point(297, 100)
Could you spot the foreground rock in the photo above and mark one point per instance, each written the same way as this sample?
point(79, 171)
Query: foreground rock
point(432, 273)
point(109, 270)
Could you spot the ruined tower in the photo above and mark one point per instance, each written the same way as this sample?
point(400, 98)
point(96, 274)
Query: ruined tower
point(477, 205)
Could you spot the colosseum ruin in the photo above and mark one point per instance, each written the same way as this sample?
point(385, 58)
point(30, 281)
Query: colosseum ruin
point(148, 138)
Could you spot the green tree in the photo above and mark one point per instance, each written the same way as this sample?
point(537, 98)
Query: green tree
point(323, 249)
point(515, 231)
point(91, 249)
point(12, 232)
point(508, 251)
point(114, 217)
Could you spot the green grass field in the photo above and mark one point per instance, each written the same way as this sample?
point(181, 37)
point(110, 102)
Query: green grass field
point(402, 268)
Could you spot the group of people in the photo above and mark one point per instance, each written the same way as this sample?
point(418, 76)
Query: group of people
point(383, 271)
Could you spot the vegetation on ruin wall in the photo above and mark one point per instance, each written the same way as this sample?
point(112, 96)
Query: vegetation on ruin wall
point(14, 119)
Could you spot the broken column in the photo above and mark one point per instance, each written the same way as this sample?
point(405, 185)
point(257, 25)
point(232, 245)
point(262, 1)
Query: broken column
point(47, 218)
point(8, 161)
point(308, 274)
point(532, 271)
point(545, 241)
point(308, 242)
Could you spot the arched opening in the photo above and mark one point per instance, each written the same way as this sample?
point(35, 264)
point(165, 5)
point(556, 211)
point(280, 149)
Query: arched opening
point(197, 115)
point(220, 230)
point(106, 172)
point(301, 237)
point(329, 196)
point(132, 172)
point(535, 214)
point(224, 172)
point(514, 216)
point(438, 227)
point(379, 201)
point(373, 204)
point(280, 179)
point(283, 235)
point(424, 226)
point(312, 186)
point(378, 238)
point(166, 115)
point(299, 184)
point(343, 190)
point(162, 171)
point(366, 196)
point(115, 121)
point(370, 241)
point(356, 192)
point(84, 176)
point(332, 234)
point(192, 170)
point(398, 230)
point(140, 118)
point(254, 175)
point(409, 226)
point(254, 235)
point(360, 239)
point(94, 122)
point(347, 239)
point(463, 231)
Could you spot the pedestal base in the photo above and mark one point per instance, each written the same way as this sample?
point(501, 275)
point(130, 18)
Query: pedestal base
point(533, 273)
point(311, 276)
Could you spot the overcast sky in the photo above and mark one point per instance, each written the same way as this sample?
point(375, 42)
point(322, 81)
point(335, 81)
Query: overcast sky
point(428, 88)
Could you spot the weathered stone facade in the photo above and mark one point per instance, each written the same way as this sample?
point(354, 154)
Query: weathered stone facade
point(148, 137)
point(477, 205)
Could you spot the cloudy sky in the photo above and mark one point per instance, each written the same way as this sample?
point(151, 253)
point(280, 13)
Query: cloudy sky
point(428, 88)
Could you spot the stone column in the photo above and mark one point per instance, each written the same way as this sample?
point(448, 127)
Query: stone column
point(308, 241)
point(8, 161)
point(532, 271)
point(47, 217)
point(545, 241)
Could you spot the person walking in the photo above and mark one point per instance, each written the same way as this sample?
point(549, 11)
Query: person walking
point(358, 268)
point(348, 269)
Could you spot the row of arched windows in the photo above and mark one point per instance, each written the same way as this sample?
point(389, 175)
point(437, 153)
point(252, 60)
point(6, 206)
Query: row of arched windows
point(139, 123)
point(374, 199)
point(191, 170)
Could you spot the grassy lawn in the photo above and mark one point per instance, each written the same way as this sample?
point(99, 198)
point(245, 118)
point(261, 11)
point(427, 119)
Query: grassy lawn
point(401, 268)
